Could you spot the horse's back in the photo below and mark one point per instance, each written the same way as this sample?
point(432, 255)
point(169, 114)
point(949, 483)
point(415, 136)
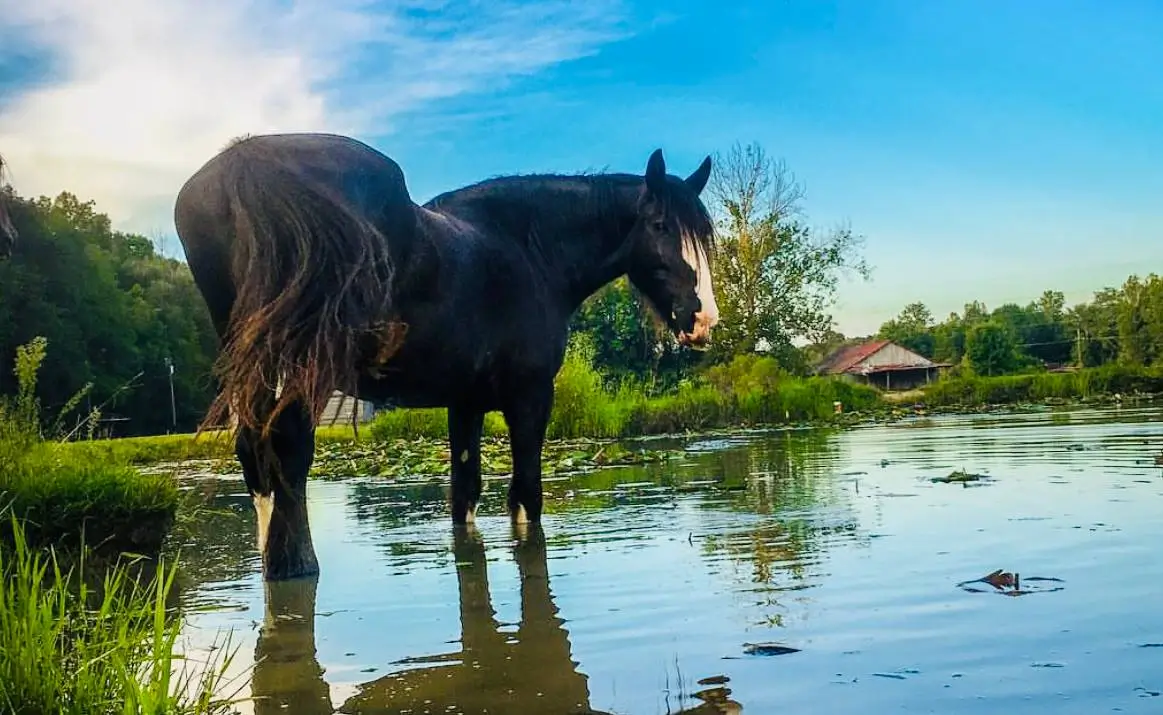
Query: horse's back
point(297, 179)
point(352, 171)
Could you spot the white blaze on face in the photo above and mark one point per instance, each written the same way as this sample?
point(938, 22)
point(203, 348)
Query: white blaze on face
point(696, 258)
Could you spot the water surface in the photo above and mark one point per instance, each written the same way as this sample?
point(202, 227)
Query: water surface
point(794, 571)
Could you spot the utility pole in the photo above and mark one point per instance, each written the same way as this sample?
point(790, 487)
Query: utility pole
point(1079, 333)
point(173, 403)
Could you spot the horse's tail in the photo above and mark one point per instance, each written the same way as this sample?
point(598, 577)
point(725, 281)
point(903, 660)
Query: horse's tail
point(313, 279)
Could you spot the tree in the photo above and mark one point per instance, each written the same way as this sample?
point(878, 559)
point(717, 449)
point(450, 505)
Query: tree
point(112, 311)
point(1096, 328)
point(775, 278)
point(990, 348)
point(1140, 321)
point(814, 353)
point(629, 340)
point(912, 328)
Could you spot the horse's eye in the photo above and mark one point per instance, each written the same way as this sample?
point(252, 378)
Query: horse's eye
point(659, 226)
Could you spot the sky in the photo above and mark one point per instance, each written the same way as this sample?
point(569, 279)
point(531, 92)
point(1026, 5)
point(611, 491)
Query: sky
point(985, 150)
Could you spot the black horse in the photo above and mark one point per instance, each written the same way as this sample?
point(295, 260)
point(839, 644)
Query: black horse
point(321, 274)
point(8, 233)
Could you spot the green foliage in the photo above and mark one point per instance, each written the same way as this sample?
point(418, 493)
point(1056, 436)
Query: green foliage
point(112, 309)
point(1123, 325)
point(912, 329)
point(990, 348)
point(61, 495)
point(750, 390)
point(583, 407)
point(71, 647)
point(184, 447)
point(1140, 321)
point(974, 391)
point(775, 278)
point(428, 423)
point(629, 342)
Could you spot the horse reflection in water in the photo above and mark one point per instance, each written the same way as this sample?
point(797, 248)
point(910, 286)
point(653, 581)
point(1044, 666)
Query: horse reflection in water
point(493, 671)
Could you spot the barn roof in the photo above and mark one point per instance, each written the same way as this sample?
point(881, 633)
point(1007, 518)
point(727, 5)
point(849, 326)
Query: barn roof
point(850, 356)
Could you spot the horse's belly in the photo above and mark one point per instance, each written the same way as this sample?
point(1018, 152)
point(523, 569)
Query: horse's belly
point(431, 381)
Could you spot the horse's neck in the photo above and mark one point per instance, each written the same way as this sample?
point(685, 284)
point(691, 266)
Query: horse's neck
point(581, 249)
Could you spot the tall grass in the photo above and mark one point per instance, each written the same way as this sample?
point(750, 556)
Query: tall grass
point(1037, 387)
point(60, 496)
point(74, 642)
point(749, 391)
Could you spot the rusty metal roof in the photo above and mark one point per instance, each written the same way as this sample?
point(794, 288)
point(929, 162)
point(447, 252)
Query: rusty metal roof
point(850, 356)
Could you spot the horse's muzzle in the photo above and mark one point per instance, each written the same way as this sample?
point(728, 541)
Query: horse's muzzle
point(700, 335)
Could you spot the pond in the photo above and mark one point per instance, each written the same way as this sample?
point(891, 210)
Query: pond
point(796, 571)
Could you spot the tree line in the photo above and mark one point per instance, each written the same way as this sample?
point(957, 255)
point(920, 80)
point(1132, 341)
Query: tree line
point(1121, 325)
point(115, 315)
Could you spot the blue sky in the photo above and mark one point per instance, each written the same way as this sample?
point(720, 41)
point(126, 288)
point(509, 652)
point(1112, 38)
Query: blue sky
point(986, 150)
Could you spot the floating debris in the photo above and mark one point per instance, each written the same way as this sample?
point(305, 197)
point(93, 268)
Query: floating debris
point(960, 476)
point(1010, 584)
point(768, 649)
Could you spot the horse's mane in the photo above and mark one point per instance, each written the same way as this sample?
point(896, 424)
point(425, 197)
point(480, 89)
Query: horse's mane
point(596, 193)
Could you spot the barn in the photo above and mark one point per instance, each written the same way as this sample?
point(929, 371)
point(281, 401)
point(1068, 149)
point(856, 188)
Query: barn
point(883, 364)
point(341, 409)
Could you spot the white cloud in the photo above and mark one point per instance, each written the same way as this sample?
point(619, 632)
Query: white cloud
point(148, 90)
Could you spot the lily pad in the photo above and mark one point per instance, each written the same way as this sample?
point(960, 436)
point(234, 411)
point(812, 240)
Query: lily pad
point(422, 457)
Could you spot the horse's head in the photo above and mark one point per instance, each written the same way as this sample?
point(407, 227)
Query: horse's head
point(7, 229)
point(670, 251)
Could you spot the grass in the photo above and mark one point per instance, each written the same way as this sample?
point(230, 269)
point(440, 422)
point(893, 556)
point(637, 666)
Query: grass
point(73, 641)
point(64, 497)
point(751, 391)
point(1085, 384)
point(160, 449)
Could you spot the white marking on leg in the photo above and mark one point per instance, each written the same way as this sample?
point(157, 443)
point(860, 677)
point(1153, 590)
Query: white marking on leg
point(470, 514)
point(519, 516)
point(264, 506)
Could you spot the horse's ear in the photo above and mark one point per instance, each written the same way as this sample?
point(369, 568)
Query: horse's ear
point(698, 180)
point(656, 172)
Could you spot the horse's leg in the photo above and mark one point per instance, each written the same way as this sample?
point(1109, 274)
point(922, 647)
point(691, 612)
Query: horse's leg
point(528, 418)
point(464, 440)
point(276, 470)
